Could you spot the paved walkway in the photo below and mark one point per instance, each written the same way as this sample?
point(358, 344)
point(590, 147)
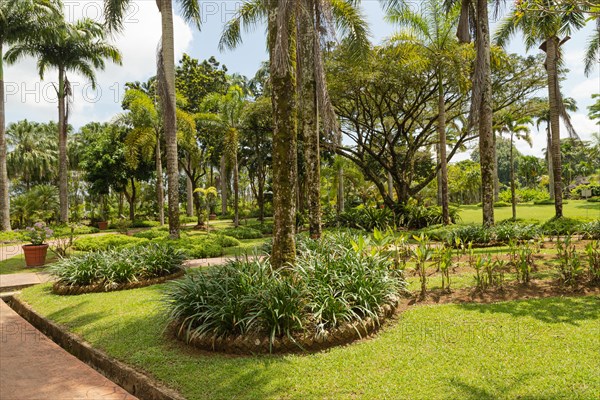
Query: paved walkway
point(34, 367)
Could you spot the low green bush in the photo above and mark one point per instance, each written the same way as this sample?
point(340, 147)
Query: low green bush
point(154, 233)
point(523, 195)
point(594, 187)
point(266, 228)
point(547, 202)
point(595, 199)
point(242, 232)
point(12, 237)
point(225, 241)
point(561, 226)
point(331, 284)
point(105, 242)
point(65, 230)
point(118, 266)
point(590, 230)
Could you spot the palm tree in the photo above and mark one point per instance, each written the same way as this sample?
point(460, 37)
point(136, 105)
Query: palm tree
point(79, 48)
point(515, 127)
point(545, 28)
point(144, 140)
point(282, 34)
point(474, 13)
point(18, 21)
point(33, 152)
point(114, 12)
point(432, 30)
point(541, 114)
point(227, 116)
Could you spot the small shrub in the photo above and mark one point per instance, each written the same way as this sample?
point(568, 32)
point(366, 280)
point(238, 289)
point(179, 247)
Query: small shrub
point(475, 234)
point(225, 241)
point(444, 262)
point(106, 242)
point(570, 269)
point(422, 254)
point(12, 237)
point(242, 233)
point(591, 230)
point(151, 234)
point(561, 226)
point(592, 250)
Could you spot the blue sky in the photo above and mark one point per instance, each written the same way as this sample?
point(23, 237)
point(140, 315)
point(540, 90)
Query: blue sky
point(29, 97)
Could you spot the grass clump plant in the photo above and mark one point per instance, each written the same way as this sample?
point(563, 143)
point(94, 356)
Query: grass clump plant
point(330, 284)
point(242, 232)
point(570, 268)
point(105, 242)
point(118, 266)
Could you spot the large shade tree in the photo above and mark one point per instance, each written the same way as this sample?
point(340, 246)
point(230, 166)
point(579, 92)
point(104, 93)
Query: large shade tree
point(18, 21)
point(114, 11)
point(80, 48)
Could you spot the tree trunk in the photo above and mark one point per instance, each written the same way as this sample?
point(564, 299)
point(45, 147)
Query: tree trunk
point(236, 192)
point(438, 176)
point(496, 171)
point(554, 98)
point(223, 186)
point(486, 134)
point(549, 158)
point(284, 148)
point(442, 151)
point(189, 209)
point(340, 189)
point(4, 184)
point(309, 119)
point(513, 195)
point(170, 119)
point(63, 187)
point(133, 198)
point(390, 185)
point(160, 195)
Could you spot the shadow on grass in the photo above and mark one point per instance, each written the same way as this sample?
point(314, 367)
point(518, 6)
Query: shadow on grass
point(470, 391)
point(551, 310)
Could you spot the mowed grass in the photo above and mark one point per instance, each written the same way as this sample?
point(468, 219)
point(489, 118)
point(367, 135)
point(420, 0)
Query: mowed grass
point(579, 209)
point(534, 349)
point(16, 264)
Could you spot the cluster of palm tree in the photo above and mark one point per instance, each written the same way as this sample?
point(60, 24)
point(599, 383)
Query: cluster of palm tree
point(297, 33)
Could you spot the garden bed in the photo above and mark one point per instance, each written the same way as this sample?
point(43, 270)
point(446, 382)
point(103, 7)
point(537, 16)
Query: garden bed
point(65, 290)
point(257, 344)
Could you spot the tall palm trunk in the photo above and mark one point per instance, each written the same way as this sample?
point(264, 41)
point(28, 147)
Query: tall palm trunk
point(170, 120)
point(309, 119)
point(4, 188)
point(549, 157)
point(496, 169)
point(223, 186)
point(554, 98)
point(513, 195)
point(236, 191)
point(63, 189)
point(160, 195)
point(438, 175)
point(442, 150)
point(284, 145)
point(189, 190)
point(486, 136)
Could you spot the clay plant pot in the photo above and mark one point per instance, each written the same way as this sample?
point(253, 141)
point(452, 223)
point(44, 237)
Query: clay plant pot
point(212, 217)
point(103, 225)
point(35, 254)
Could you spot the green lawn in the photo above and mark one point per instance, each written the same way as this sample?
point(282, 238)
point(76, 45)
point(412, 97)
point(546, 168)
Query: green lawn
point(534, 349)
point(16, 264)
point(573, 209)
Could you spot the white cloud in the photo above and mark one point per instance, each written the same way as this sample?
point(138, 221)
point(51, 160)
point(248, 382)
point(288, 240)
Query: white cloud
point(28, 97)
point(583, 91)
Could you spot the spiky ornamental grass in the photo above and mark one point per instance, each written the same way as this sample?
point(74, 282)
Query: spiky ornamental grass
point(330, 284)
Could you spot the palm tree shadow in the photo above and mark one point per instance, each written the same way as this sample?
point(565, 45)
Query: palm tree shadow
point(551, 310)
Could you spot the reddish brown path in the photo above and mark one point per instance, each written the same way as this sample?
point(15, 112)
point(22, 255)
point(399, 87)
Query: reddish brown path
point(33, 367)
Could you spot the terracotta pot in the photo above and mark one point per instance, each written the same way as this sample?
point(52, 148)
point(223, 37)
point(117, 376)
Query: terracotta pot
point(35, 255)
point(102, 225)
point(212, 217)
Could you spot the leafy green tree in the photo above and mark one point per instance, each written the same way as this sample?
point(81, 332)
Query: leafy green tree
point(80, 47)
point(144, 139)
point(32, 156)
point(432, 29)
point(19, 20)
point(594, 109)
point(545, 28)
point(114, 12)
